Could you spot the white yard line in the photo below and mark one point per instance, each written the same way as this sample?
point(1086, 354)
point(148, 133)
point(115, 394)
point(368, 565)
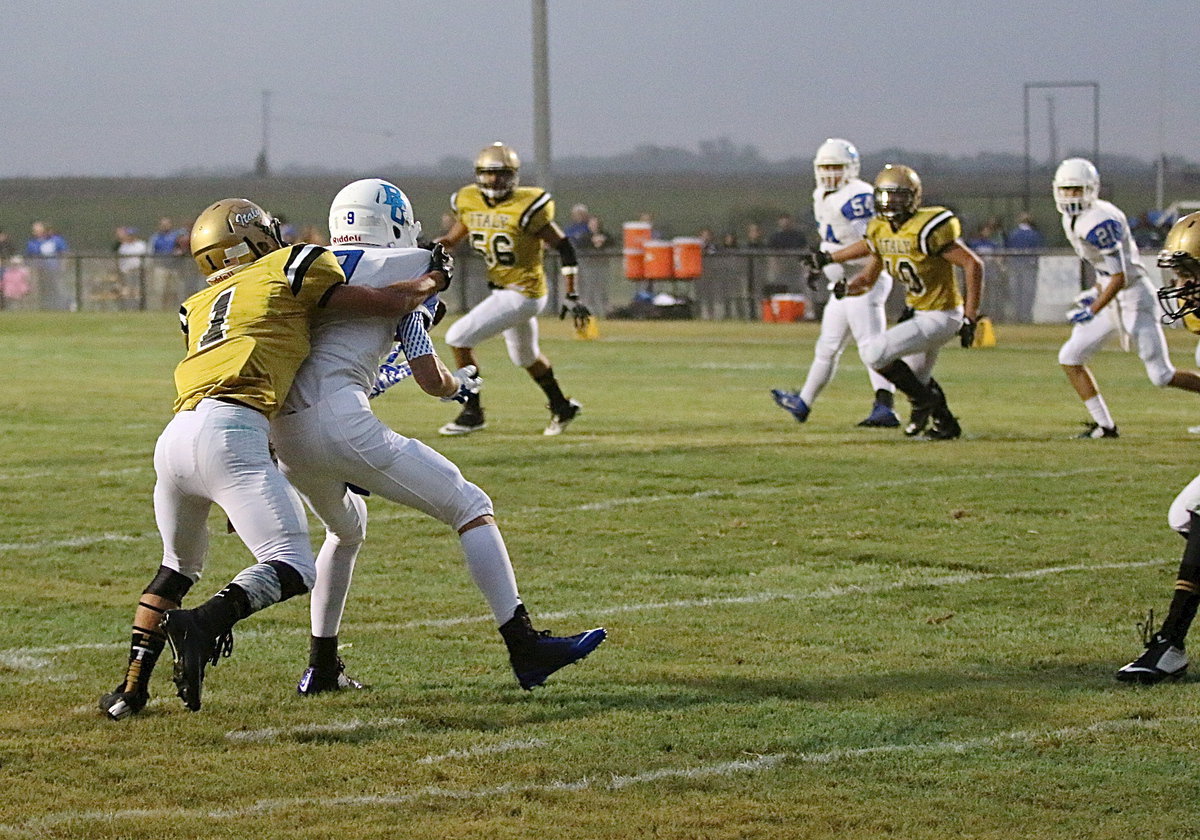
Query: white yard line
point(32, 657)
point(754, 764)
point(484, 749)
point(608, 504)
point(335, 728)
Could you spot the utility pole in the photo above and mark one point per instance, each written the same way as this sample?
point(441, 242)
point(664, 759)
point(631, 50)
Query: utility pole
point(541, 95)
point(262, 164)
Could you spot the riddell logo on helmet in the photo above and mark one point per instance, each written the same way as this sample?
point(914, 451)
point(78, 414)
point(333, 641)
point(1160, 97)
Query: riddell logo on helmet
point(342, 239)
point(246, 217)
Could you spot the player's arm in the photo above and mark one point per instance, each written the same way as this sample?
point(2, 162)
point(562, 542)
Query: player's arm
point(390, 301)
point(431, 374)
point(966, 259)
point(452, 237)
point(865, 279)
point(553, 236)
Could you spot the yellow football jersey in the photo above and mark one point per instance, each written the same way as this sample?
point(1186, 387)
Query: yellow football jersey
point(247, 335)
point(505, 234)
point(912, 254)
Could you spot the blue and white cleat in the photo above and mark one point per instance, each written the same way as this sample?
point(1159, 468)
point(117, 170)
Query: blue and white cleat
point(535, 654)
point(881, 417)
point(790, 402)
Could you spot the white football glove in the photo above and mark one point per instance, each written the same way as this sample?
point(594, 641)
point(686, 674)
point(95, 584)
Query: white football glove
point(468, 384)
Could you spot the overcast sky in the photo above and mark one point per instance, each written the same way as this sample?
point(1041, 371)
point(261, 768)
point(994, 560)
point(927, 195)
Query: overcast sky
point(153, 88)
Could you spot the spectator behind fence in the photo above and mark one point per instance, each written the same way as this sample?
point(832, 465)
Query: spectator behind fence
point(578, 231)
point(598, 238)
point(162, 280)
point(754, 236)
point(6, 247)
point(786, 234)
point(1027, 240)
point(46, 246)
point(729, 241)
point(131, 255)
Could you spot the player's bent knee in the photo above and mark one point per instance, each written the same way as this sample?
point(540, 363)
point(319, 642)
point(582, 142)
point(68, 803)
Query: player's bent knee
point(169, 584)
point(291, 581)
point(1160, 375)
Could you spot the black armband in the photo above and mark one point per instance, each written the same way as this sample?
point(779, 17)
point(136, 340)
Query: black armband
point(566, 250)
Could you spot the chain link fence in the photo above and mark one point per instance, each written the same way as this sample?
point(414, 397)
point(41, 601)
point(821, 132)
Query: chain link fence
point(1020, 287)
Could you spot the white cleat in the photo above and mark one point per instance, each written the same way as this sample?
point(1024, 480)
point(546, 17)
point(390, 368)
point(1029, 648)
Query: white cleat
point(558, 422)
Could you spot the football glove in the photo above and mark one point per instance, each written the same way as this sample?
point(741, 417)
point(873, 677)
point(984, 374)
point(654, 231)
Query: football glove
point(579, 312)
point(814, 261)
point(442, 260)
point(838, 288)
point(468, 384)
point(906, 314)
point(1080, 315)
point(966, 333)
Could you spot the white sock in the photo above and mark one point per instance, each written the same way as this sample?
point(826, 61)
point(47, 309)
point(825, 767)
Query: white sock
point(490, 568)
point(1099, 411)
point(819, 374)
point(335, 568)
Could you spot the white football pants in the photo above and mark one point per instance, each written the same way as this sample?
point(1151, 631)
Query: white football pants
point(339, 441)
point(916, 341)
point(503, 311)
point(860, 317)
point(218, 452)
point(1138, 314)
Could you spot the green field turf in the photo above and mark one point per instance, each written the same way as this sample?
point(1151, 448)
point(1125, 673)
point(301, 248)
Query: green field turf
point(816, 630)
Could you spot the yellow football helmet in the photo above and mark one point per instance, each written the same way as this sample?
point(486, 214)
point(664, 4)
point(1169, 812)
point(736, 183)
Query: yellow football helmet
point(230, 235)
point(1180, 260)
point(897, 193)
point(496, 171)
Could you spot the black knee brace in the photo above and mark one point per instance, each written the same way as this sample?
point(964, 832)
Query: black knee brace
point(169, 584)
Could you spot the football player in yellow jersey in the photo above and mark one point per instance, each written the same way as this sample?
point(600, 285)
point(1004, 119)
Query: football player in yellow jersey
point(247, 333)
point(1164, 656)
point(508, 224)
point(919, 246)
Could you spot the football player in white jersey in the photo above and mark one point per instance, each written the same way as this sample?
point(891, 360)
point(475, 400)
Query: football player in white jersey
point(1165, 656)
point(1123, 300)
point(843, 203)
point(330, 443)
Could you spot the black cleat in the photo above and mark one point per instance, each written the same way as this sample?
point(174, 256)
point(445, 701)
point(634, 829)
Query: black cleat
point(918, 420)
point(319, 680)
point(1095, 430)
point(120, 704)
point(944, 427)
point(1162, 659)
point(470, 419)
point(559, 419)
point(193, 646)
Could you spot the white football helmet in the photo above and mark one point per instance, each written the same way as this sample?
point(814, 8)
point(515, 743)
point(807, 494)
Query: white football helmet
point(835, 163)
point(373, 212)
point(1076, 185)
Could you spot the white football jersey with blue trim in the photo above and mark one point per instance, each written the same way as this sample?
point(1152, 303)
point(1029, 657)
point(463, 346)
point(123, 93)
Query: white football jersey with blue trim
point(346, 348)
point(842, 216)
point(1100, 236)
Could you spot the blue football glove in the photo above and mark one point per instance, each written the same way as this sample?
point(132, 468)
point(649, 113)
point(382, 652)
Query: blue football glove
point(1081, 315)
point(468, 384)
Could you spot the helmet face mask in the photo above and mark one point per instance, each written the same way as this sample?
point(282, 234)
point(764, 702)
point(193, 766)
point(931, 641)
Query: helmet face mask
point(496, 171)
point(835, 163)
point(897, 193)
point(1180, 260)
point(373, 212)
point(1076, 186)
point(232, 234)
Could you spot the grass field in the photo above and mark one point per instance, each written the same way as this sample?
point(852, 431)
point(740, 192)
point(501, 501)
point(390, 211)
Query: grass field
point(815, 631)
